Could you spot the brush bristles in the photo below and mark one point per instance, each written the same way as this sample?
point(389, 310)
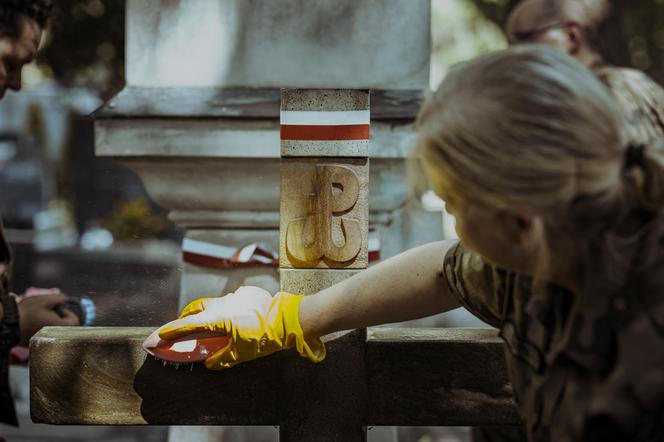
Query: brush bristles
point(175, 364)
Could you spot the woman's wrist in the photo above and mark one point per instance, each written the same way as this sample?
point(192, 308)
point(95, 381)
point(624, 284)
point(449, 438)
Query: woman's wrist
point(314, 319)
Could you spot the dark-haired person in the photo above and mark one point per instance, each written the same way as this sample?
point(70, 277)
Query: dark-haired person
point(573, 27)
point(21, 26)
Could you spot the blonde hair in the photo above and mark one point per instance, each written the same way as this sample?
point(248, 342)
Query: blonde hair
point(531, 128)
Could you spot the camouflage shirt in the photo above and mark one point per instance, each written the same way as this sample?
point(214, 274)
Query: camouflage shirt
point(9, 333)
point(640, 99)
point(581, 369)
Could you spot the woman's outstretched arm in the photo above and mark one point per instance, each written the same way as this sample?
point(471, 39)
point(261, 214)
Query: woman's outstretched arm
point(249, 322)
point(407, 286)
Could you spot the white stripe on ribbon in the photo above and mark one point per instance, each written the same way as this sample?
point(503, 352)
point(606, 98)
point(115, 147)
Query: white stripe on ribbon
point(246, 253)
point(374, 244)
point(324, 118)
point(262, 259)
point(207, 249)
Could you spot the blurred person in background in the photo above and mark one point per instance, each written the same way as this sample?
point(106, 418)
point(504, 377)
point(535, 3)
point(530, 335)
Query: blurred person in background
point(21, 26)
point(573, 26)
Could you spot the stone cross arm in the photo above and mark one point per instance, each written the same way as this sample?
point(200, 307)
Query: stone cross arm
point(383, 376)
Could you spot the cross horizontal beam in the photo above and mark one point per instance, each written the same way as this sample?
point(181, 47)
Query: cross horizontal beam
point(419, 377)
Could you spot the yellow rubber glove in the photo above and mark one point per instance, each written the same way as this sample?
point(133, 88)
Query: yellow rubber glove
point(256, 323)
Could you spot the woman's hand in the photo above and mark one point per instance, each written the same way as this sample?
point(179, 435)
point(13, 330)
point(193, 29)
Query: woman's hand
point(255, 323)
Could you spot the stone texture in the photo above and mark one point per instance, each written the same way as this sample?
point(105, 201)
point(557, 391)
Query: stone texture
point(324, 99)
point(348, 148)
point(102, 376)
point(256, 139)
point(231, 102)
point(340, 380)
point(466, 366)
point(304, 198)
point(310, 281)
point(372, 44)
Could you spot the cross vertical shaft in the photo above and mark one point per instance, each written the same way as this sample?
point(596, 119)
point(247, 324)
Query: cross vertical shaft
point(324, 239)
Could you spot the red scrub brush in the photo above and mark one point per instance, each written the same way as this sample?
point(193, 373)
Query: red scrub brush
point(187, 349)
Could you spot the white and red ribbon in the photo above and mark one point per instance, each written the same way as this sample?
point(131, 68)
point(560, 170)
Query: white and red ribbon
point(208, 254)
point(214, 255)
point(325, 125)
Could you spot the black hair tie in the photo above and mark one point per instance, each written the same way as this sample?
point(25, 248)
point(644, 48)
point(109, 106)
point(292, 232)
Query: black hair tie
point(635, 156)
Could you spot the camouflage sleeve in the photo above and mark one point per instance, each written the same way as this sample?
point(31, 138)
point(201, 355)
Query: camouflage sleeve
point(477, 285)
point(640, 99)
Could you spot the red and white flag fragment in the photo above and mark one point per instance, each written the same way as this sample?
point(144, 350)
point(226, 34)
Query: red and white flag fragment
point(325, 125)
point(208, 254)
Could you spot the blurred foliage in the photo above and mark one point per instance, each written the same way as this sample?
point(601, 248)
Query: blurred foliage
point(85, 45)
point(134, 220)
point(633, 36)
point(459, 31)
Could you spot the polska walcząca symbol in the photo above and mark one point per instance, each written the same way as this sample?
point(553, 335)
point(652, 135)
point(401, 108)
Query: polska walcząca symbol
point(310, 238)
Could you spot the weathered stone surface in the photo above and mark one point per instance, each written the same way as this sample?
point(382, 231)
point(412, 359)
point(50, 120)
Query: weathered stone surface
point(101, 376)
point(254, 139)
point(237, 103)
point(327, 402)
point(321, 224)
point(460, 372)
point(347, 148)
point(374, 44)
point(324, 100)
point(310, 281)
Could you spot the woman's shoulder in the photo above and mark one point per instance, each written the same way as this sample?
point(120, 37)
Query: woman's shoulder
point(629, 78)
point(640, 100)
point(482, 288)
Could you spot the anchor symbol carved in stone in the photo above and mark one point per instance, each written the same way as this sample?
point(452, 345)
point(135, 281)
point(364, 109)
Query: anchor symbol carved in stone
point(336, 191)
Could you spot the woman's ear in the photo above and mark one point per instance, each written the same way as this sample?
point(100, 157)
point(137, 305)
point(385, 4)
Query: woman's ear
point(574, 33)
point(525, 229)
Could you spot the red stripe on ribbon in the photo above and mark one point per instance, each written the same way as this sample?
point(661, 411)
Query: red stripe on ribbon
point(325, 133)
point(210, 261)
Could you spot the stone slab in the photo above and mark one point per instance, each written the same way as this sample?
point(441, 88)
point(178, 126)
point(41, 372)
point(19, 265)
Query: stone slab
point(322, 100)
point(371, 44)
point(102, 376)
point(340, 380)
point(418, 377)
point(160, 138)
point(348, 148)
point(237, 103)
point(468, 372)
point(308, 282)
point(321, 225)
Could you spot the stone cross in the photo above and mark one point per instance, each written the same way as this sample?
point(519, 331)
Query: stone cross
point(405, 377)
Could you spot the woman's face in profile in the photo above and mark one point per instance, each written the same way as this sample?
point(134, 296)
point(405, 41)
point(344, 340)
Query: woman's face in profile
point(502, 238)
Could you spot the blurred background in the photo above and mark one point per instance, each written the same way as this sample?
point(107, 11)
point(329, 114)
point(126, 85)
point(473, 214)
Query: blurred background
point(87, 226)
